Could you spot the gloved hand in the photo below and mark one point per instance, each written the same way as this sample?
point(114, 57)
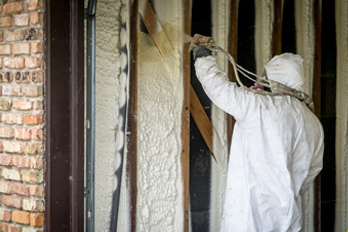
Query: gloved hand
point(200, 51)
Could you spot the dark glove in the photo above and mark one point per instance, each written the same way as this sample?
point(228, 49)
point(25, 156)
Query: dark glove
point(200, 51)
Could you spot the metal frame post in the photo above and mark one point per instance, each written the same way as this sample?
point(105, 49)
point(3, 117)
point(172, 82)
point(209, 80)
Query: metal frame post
point(90, 14)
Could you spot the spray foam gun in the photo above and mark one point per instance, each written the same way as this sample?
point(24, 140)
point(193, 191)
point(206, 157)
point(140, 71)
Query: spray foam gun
point(277, 88)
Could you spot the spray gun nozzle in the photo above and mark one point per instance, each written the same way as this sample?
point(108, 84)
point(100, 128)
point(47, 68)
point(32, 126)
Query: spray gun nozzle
point(200, 40)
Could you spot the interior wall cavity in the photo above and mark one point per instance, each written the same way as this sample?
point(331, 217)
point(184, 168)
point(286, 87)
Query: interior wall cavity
point(221, 19)
point(341, 223)
point(160, 99)
point(305, 48)
point(107, 94)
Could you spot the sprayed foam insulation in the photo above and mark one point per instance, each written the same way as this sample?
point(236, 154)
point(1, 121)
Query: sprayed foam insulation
point(107, 94)
point(305, 48)
point(160, 99)
point(341, 223)
point(263, 33)
point(220, 21)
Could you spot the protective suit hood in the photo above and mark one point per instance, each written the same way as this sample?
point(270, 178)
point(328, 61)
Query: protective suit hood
point(286, 69)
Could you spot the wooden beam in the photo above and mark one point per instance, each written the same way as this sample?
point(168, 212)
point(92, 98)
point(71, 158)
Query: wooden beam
point(232, 49)
point(201, 118)
point(131, 165)
point(161, 41)
point(277, 28)
point(185, 118)
point(317, 103)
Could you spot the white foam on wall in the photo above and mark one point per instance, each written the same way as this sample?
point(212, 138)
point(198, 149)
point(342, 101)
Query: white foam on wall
point(123, 222)
point(107, 92)
point(305, 48)
point(341, 223)
point(220, 20)
point(263, 33)
point(160, 99)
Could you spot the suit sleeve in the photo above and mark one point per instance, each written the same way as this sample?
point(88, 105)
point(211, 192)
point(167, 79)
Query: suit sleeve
point(316, 163)
point(222, 92)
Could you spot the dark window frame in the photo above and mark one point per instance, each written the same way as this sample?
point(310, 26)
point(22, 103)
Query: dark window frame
point(64, 109)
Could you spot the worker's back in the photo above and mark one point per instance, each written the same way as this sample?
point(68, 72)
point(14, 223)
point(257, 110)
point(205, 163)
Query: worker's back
point(276, 152)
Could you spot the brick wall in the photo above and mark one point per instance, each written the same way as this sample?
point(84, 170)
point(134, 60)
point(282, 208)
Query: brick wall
point(21, 116)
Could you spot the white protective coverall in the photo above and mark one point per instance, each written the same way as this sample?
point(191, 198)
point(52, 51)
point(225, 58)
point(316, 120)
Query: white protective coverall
point(276, 152)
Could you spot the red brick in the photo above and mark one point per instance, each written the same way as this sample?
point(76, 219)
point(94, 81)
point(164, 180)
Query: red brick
point(12, 90)
point(5, 21)
point(31, 229)
point(33, 148)
point(36, 219)
point(33, 119)
point(33, 34)
point(37, 48)
point(21, 161)
point(15, 35)
point(11, 174)
point(33, 62)
point(21, 49)
point(27, 77)
point(22, 104)
point(6, 227)
point(37, 134)
point(14, 62)
point(5, 160)
point(5, 187)
point(5, 215)
point(37, 105)
point(14, 228)
point(13, 7)
point(21, 20)
point(5, 49)
point(22, 133)
point(36, 76)
point(33, 205)
point(21, 217)
point(6, 77)
point(36, 18)
point(5, 104)
point(19, 189)
point(33, 4)
point(13, 146)
point(36, 163)
point(11, 118)
point(13, 202)
point(32, 91)
point(32, 176)
point(6, 132)
point(36, 190)
point(22, 77)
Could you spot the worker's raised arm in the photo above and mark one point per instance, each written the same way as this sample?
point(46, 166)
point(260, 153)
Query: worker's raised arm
point(222, 92)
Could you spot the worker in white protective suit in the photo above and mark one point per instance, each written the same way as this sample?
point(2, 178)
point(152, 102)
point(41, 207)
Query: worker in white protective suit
point(277, 147)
